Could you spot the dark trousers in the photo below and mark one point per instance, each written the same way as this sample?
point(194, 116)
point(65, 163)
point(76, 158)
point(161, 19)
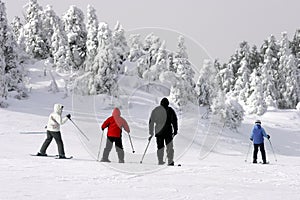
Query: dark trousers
point(58, 140)
point(118, 145)
point(261, 147)
point(161, 141)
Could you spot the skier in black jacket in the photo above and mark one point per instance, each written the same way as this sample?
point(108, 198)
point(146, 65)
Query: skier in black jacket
point(165, 120)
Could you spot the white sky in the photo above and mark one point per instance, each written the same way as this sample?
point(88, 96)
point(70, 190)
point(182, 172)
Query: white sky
point(218, 25)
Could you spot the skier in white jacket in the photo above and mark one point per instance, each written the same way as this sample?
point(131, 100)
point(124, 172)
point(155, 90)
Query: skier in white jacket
point(53, 131)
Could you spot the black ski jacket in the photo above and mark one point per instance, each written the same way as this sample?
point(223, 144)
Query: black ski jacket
point(165, 121)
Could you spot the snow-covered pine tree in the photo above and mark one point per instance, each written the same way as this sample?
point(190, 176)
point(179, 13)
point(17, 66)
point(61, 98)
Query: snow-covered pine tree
point(269, 72)
point(256, 103)
point(10, 69)
point(185, 73)
point(121, 46)
point(241, 86)
point(206, 84)
point(151, 46)
point(32, 34)
point(254, 59)
point(61, 53)
point(74, 25)
point(154, 72)
point(92, 40)
point(16, 25)
point(225, 78)
point(105, 67)
point(228, 108)
point(135, 45)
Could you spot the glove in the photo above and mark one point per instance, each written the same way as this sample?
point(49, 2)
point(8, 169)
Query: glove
point(68, 116)
point(150, 137)
point(268, 136)
point(251, 139)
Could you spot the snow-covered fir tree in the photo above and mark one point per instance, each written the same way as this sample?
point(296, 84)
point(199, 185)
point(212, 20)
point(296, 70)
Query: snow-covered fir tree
point(135, 46)
point(206, 84)
point(74, 25)
point(121, 47)
point(92, 40)
point(16, 25)
point(105, 66)
point(268, 73)
point(225, 78)
point(10, 69)
point(32, 34)
point(153, 73)
point(256, 103)
point(228, 108)
point(185, 73)
point(241, 86)
point(151, 46)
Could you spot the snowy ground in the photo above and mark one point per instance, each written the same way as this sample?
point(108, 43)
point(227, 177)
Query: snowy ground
point(213, 165)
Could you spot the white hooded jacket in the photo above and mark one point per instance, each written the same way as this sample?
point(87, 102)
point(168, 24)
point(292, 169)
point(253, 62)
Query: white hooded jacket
point(55, 119)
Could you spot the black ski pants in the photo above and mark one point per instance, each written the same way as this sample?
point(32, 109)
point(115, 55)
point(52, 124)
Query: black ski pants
point(118, 145)
point(261, 147)
point(58, 140)
point(161, 141)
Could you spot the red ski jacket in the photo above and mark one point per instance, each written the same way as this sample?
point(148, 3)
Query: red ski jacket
point(115, 123)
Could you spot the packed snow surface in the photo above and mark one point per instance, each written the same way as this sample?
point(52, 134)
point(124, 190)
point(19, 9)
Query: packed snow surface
point(214, 161)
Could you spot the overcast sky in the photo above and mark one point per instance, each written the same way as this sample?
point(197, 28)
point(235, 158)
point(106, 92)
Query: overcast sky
point(218, 25)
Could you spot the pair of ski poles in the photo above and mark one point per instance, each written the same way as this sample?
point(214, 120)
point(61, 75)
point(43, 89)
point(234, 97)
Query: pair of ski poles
point(133, 151)
point(98, 156)
point(250, 143)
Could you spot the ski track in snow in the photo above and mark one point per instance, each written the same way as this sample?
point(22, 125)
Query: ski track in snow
point(222, 174)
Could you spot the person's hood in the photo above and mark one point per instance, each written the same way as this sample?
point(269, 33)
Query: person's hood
point(116, 112)
point(164, 102)
point(257, 126)
point(58, 108)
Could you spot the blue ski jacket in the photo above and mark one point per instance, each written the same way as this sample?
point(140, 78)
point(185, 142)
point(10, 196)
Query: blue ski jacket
point(258, 134)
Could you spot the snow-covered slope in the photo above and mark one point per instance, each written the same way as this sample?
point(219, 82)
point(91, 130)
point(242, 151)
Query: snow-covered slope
point(212, 158)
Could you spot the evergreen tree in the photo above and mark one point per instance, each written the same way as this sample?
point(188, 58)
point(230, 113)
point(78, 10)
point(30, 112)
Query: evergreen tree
point(153, 73)
point(135, 45)
point(76, 33)
point(151, 46)
point(105, 66)
point(32, 34)
point(225, 78)
point(256, 103)
point(254, 59)
point(206, 84)
point(92, 40)
point(121, 47)
point(10, 70)
point(241, 86)
point(16, 26)
point(185, 73)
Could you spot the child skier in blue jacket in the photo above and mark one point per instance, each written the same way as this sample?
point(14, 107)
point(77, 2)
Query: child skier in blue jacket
point(257, 136)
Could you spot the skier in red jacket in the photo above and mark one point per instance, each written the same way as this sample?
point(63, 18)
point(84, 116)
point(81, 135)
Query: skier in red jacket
point(115, 123)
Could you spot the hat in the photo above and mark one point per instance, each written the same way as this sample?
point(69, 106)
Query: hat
point(164, 102)
point(258, 122)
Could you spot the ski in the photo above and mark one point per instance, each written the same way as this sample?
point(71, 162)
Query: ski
point(64, 157)
point(52, 156)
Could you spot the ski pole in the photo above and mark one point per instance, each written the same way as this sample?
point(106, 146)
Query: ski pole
point(100, 146)
point(273, 150)
point(248, 151)
point(79, 130)
point(133, 151)
point(145, 150)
